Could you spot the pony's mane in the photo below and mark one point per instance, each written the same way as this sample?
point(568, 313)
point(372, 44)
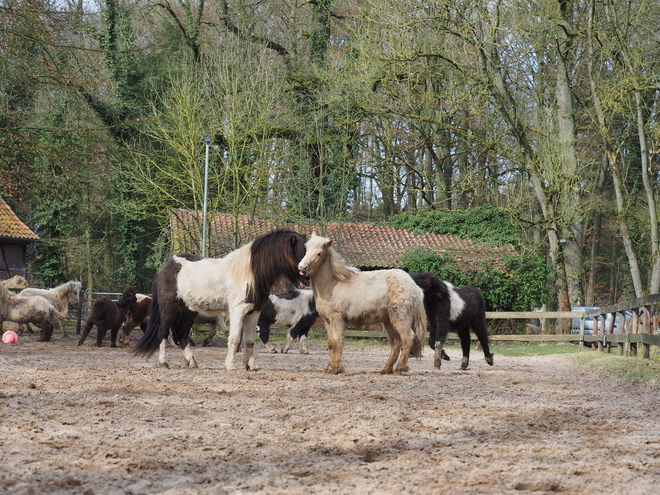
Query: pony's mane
point(340, 269)
point(272, 256)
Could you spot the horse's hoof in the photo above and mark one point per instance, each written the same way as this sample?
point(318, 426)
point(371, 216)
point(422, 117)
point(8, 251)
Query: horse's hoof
point(164, 365)
point(386, 371)
point(445, 356)
point(193, 365)
point(489, 361)
point(334, 370)
point(464, 364)
point(304, 352)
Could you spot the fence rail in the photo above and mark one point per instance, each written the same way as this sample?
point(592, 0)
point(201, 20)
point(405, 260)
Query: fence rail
point(639, 324)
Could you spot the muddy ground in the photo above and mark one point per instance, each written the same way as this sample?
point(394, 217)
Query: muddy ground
point(84, 420)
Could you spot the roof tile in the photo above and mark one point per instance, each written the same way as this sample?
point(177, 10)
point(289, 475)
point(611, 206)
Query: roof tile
point(11, 226)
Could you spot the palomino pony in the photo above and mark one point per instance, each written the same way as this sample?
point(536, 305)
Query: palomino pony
point(28, 309)
point(296, 310)
point(107, 314)
point(60, 297)
point(239, 283)
point(459, 309)
point(345, 295)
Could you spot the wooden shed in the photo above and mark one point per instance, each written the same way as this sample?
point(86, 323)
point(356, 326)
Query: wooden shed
point(15, 237)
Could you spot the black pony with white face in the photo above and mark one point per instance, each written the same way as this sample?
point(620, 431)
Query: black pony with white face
point(457, 309)
point(239, 284)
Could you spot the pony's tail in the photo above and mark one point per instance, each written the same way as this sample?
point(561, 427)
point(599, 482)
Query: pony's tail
point(151, 340)
point(57, 314)
point(420, 322)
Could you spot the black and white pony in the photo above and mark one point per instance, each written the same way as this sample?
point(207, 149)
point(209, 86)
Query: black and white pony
point(238, 284)
point(458, 309)
point(296, 310)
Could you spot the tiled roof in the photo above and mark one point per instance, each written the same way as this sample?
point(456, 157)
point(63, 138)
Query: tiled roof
point(11, 226)
point(361, 244)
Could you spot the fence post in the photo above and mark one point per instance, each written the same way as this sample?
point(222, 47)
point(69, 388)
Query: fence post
point(647, 329)
point(635, 329)
point(79, 312)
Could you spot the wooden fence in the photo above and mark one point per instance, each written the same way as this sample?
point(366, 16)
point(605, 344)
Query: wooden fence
point(639, 324)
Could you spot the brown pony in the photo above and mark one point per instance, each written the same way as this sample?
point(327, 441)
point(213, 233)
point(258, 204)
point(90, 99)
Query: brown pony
point(239, 283)
point(345, 295)
point(108, 315)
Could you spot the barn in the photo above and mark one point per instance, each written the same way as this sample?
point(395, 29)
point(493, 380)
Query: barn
point(363, 245)
point(15, 237)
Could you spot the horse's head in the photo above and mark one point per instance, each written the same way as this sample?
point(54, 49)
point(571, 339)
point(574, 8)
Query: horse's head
point(275, 255)
point(74, 291)
point(317, 250)
point(128, 298)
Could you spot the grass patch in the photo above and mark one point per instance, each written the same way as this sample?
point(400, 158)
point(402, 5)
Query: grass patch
point(533, 349)
point(636, 370)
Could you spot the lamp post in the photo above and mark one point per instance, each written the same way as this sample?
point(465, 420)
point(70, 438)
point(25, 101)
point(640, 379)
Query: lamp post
point(207, 141)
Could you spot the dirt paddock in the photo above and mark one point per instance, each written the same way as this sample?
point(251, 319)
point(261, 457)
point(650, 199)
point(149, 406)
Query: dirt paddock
point(82, 420)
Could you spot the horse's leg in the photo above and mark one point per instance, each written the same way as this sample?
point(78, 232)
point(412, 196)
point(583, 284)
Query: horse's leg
point(162, 357)
point(236, 315)
point(212, 332)
point(395, 348)
point(86, 330)
point(289, 341)
point(46, 332)
point(126, 332)
point(63, 327)
point(264, 335)
point(464, 334)
point(249, 337)
point(113, 335)
point(481, 331)
point(100, 333)
point(335, 331)
point(439, 355)
point(301, 345)
point(182, 330)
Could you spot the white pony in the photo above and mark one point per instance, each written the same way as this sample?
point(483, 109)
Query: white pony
point(60, 297)
point(345, 295)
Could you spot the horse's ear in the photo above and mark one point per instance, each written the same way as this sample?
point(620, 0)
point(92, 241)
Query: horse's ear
point(328, 243)
point(313, 233)
point(294, 240)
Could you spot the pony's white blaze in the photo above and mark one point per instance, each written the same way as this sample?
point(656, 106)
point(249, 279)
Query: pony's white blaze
point(456, 301)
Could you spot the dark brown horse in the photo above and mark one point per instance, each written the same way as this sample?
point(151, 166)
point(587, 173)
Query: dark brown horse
point(457, 309)
point(239, 283)
point(107, 315)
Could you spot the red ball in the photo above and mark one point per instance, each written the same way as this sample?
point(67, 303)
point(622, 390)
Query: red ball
point(10, 337)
